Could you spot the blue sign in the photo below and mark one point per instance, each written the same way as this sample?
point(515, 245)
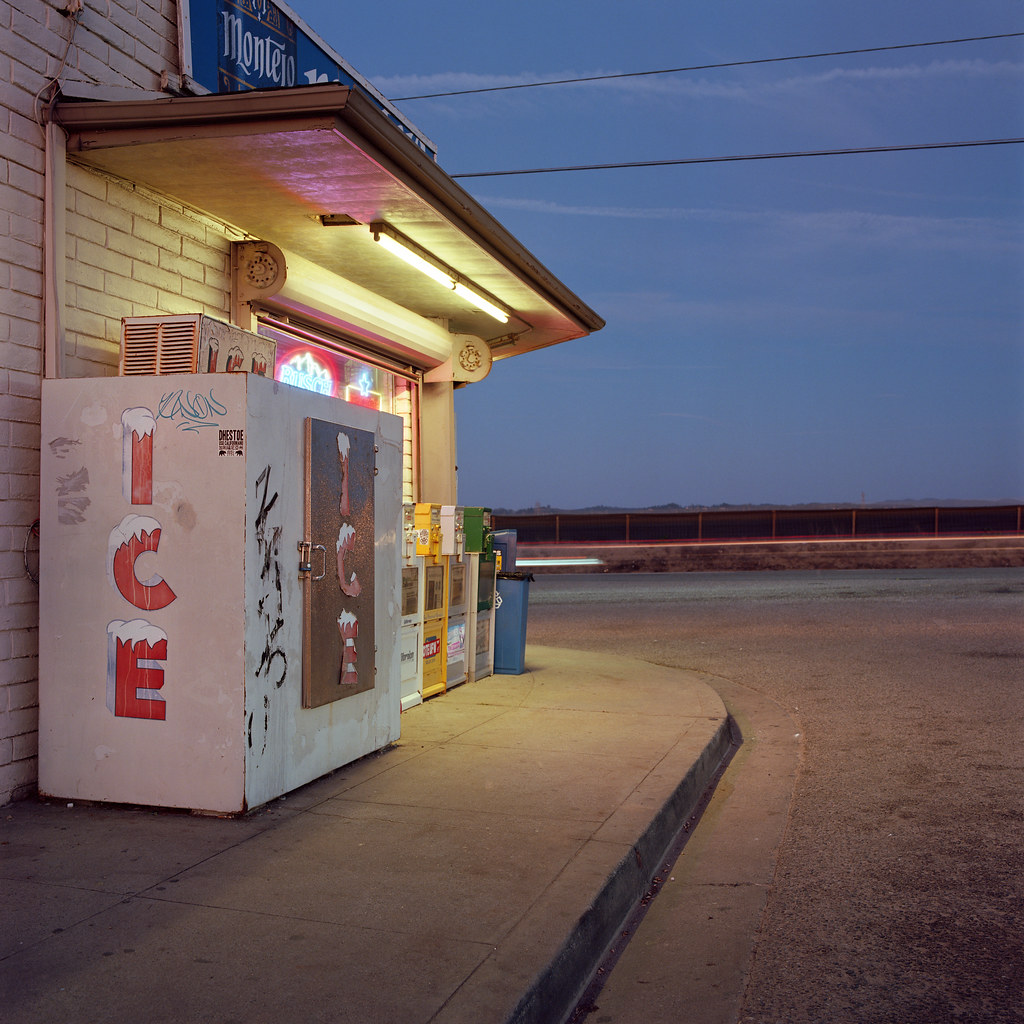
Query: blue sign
point(236, 45)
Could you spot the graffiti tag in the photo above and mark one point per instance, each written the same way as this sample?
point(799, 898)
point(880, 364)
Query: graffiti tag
point(270, 607)
point(190, 410)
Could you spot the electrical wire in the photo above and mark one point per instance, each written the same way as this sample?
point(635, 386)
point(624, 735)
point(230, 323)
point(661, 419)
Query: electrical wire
point(743, 156)
point(704, 67)
point(72, 11)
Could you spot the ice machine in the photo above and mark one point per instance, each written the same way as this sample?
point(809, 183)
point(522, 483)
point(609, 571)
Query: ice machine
point(219, 588)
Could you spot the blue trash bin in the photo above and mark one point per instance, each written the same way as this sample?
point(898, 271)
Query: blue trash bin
point(505, 544)
point(513, 590)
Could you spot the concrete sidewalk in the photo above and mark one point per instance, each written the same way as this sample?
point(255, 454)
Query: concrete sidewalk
point(474, 872)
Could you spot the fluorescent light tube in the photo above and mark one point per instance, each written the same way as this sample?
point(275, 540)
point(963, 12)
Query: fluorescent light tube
point(414, 259)
point(481, 303)
point(384, 234)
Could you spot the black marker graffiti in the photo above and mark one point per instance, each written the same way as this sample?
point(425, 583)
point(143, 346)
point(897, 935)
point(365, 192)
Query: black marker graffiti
point(270, 606)
point(266, 721)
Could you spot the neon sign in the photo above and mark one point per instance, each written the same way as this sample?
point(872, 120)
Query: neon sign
point(360, 391)
point(305, 365)
point(304, 370)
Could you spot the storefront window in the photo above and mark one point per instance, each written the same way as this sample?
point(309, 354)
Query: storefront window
point(314, 365)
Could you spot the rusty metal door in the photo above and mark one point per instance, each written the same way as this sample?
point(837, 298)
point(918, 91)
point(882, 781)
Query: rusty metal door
point(338, 622)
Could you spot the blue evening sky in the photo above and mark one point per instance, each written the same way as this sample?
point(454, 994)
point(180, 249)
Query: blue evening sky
point(826, 329)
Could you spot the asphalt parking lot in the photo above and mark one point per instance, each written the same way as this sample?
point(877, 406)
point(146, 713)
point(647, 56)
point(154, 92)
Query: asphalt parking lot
point(897, 893)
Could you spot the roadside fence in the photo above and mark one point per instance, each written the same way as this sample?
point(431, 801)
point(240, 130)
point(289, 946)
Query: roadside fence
point(760, 524)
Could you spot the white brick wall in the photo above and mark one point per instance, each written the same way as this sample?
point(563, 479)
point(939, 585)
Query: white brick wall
point(129, 253)
point(132, 253)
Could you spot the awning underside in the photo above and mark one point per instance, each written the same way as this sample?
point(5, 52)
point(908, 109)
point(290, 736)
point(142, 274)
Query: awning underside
point(271, 170)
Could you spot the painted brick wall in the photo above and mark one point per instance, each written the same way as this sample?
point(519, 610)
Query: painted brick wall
point(128, 253)
point(132, 253)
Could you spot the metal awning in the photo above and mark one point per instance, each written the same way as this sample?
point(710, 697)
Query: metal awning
point(271, 163)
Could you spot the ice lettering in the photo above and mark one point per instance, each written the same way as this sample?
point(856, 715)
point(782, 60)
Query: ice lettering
point(346, 543)
point(134, 677)
point(348, 626)
point(343, 453)
point(347, 622)
point(137, 427)
point(128, 540)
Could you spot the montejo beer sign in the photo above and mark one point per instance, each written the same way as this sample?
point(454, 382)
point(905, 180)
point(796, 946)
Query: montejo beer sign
point(236, 45)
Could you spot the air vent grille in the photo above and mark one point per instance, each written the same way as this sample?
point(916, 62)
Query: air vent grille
point(159, 345)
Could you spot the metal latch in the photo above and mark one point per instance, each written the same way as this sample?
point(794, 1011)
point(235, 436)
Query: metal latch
point(306, 549)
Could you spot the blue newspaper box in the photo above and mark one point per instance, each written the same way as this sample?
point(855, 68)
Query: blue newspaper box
point(510, 622)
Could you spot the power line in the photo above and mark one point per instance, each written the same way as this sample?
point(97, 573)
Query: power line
point(745, 156)
point(704, 67)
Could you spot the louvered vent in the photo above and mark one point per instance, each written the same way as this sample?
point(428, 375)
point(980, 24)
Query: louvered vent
point(159, 345)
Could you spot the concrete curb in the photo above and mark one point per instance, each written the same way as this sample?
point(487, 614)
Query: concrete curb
point(690, 956)
point(556, 991)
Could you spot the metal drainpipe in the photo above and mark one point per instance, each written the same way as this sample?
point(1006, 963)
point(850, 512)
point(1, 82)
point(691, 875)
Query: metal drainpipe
point(54, 227)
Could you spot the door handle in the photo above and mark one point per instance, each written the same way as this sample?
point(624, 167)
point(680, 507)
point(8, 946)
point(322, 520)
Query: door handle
point(323, 551)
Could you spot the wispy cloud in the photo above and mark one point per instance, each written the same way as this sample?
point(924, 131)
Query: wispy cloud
point(453, 81)
point(958, 69)
point(950, 234)
point(825, 227)
point(646, 307)
point(757, 90)
point(655, 213)
point(672, 414)
point(704, 86)
point(744, 318)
